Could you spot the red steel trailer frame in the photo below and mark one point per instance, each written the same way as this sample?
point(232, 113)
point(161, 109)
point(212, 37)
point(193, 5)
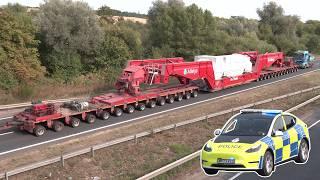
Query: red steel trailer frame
point(151, 71)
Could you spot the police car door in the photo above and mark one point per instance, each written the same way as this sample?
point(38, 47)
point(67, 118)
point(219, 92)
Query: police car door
point(278, 140)
point(291, 149)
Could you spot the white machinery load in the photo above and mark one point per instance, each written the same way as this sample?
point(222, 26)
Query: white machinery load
point(227, 65)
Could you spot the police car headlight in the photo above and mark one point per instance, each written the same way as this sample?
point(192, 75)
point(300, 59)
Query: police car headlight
point(254, 149)
point(207, 148)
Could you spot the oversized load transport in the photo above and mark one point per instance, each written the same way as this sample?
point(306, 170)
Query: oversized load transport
point(227, 65)
point(210, 73)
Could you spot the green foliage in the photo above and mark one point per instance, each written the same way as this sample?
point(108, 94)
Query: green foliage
point(18, 48)
point(180, 149)
point(64, 65)
point(70, 35)
point(131, 38)
point(71, 25)
point(113, 54)
point(179, 30)
point(279, 29)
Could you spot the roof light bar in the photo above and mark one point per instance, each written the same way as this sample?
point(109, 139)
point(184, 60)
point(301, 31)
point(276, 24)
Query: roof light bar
point(273, 111)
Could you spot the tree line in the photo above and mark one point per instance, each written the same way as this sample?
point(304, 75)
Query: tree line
point(66, 39)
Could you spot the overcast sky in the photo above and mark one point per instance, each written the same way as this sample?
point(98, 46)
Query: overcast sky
point(305, 9)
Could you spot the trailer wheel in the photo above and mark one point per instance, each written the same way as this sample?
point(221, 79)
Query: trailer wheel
point(39, 130)
point(151, 104)
point(179, 97)
point(187, 95)
point(90, 118)
point(170, 99)
point(161, 101)
point(141, 107)
point(104, 115)
point(130, 109)
point(57, 126)
point(194, 94)
point(118, 112)
point(74, 122)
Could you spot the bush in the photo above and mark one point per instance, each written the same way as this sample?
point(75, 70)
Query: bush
point(64, 65)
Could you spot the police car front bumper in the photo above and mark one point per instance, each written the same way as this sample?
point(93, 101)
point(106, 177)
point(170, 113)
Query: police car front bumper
point(231, 160)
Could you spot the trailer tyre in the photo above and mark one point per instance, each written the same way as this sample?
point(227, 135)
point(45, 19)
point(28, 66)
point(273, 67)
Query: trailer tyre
point(118, 112)
point(179, 97)
point(170, 99)
point(39, 130)
point(187, 95)
point(104, 115)
point(194, 94)
point(141, 107)
point(161, 101)
point(130, 109)
point(151, 104)
point(74, 122)
point(57, 126)
point(90, 118)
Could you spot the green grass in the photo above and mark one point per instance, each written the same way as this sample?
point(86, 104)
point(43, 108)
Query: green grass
point(180, 149)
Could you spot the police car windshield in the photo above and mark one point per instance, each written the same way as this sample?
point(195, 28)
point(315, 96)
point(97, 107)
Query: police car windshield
point(249, 124)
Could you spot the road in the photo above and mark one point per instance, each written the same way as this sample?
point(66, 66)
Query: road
point(15, 140)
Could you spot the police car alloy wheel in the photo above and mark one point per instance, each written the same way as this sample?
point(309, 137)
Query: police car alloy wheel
point(268, 164)
point(303, 152)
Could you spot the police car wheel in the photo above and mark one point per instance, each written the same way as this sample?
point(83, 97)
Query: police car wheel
point(210, 171)
point(303, 152)
point(268, 164)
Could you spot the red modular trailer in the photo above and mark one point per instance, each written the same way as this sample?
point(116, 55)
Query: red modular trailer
point(151, 71)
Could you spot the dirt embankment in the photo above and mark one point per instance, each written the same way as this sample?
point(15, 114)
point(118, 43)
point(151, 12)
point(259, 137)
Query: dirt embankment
point(129, 160)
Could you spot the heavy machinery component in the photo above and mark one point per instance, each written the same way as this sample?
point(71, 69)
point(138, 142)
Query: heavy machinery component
point(304, 59)
point(228, 65)
point(159, 73)
point(76, 105)
point(38, 110)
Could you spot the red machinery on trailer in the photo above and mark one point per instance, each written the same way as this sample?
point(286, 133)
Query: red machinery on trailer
point(129, 97)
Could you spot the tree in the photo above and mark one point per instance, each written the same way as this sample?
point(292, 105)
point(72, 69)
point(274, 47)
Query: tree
point(112, 54)
point(277, 28)
point(19, 61)
point(179, 30)
point(68, 28)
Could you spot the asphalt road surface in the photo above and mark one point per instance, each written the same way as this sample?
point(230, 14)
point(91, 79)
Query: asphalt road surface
point(14, 140)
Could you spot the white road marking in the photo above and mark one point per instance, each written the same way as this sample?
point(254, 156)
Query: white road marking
point(314, 124)
point(235, 176)
point(6, 133)
point(141, 117)
point(239, 173)
point(6, 118)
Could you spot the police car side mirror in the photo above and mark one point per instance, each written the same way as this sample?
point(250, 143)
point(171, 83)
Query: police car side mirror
point(278, 133)
point(217, 132)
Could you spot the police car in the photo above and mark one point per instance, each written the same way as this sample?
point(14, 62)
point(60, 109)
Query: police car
point(256, 140)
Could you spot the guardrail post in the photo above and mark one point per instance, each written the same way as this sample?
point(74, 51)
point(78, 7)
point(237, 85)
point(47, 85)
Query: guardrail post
point(92, 152)
point(62, 160)
point(152, 132)
point(175, 127)
point(6, 175)
point(135, 139)
point(207, 118)
point(232, 111)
